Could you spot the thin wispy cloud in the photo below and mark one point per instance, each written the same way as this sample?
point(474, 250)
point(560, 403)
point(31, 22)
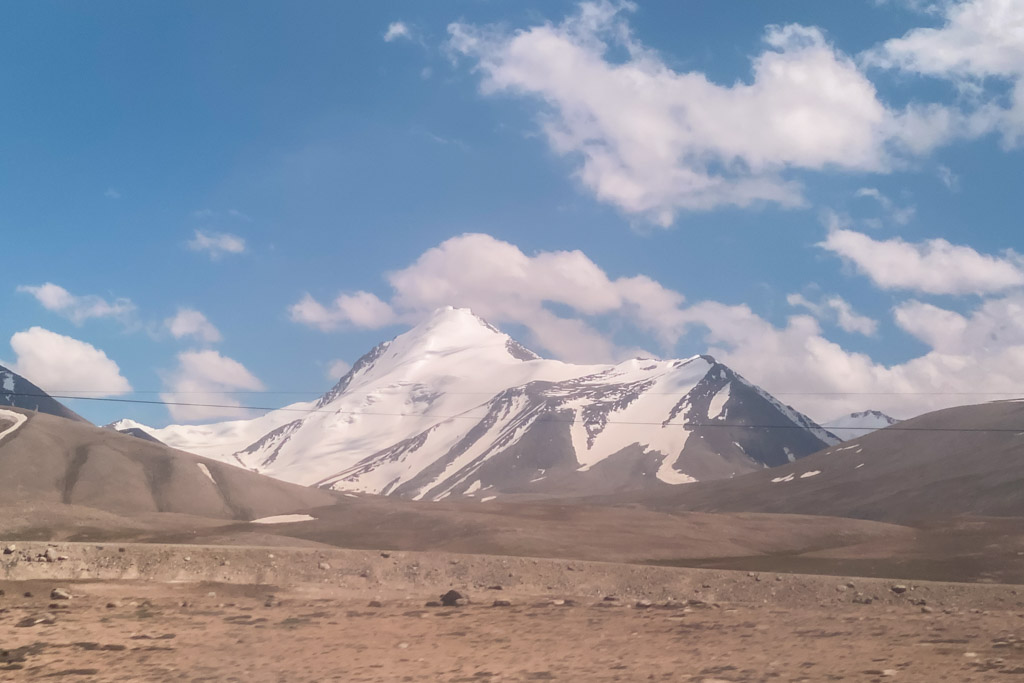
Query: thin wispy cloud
point(78, 308)
point(216, 244)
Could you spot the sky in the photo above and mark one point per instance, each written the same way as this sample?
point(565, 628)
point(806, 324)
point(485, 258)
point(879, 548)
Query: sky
point(229, 203)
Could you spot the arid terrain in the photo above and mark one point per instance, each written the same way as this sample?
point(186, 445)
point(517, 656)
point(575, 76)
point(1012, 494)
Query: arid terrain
point(195, 613)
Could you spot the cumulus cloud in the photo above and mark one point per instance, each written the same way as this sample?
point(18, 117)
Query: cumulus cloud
point(216, 244)
point(653, 140)
point(934, 266)
point(564, 301)
point(504, 285)
point(188, 322)
point(361, 310)
point(838, 309)
point(396, 30)
point(65, 365)
point(76, 308)
point(207, 377)
point(979, 40)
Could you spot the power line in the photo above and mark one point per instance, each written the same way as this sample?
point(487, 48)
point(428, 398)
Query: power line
point(895, 427)
point(320, 392)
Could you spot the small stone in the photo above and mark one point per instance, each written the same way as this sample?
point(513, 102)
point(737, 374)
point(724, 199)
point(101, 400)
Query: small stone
point(898, 589)
point(643, 604)
point(501, 603)
point(211, 594)
point(60, 594)
point(494, 588)
point(113, 605)
point(432, 603)
point(323, 565)
point(225, 563)
point(27, 594)
point(611, 598)
point(558, 603)
point(62, 558)
point(9, 549)
point(375, 603)
point(187, 558)
point(926, 610)
point(50, 555)
point(385, 555)
point(271, 601)
point(403, 646)
point(452, 599)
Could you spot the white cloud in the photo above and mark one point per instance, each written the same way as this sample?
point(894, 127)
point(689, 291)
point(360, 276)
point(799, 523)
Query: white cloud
point(216, 244)
point(207, 377)
point(337, 368)
point(75, 308)
point(64, 365)
point(979, 40)
point(504, 285)
point(933, 267)
point(188, 322)
point(836, 308)
point(796, 360)
point(396, 30)
point(652, 140)
point(900, 215)
point(361, 309)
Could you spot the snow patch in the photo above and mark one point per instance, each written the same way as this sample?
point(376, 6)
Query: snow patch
point(717, 408)
point(17, 418)
point(812, 473)
point(777, 480)
point(206, 470)
point(8, 381)
point(283, 519)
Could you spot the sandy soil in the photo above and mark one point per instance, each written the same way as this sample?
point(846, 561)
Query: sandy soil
point(320, 614)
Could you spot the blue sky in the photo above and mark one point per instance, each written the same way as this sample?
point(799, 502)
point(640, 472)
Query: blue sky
point(203, 199)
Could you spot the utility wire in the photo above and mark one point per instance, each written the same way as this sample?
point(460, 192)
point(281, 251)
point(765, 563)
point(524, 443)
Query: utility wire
point(895, 427)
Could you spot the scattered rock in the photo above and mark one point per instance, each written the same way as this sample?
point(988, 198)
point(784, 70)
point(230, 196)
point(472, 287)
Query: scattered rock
point(611, 598)
point(454, 598)
point(385, 555)
point(432, 603)
point(323, 565)
point(898, 589)
point(643, 604)
point(60, 594)
point(494, 588)
point(501, 603)
point(861, 599)
point(9, 549)
point(113, 605)
point(50, 555)
point(33, 621)
point(403, 646)
point(375, 603)
point(271, 601)
point(927, 610)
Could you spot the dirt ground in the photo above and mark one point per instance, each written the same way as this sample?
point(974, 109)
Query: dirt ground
point(192, 613)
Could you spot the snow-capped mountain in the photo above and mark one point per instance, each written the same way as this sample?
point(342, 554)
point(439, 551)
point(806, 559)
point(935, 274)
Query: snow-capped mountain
point(456, 407)
point(855, 425)
point(17, 391)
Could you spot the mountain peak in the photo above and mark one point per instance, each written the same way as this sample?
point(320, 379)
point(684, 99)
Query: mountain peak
point(449, 329)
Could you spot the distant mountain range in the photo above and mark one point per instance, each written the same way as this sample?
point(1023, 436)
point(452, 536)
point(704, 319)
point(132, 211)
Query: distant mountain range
point(855, 425)
point(967, 460)
point(455, 407)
